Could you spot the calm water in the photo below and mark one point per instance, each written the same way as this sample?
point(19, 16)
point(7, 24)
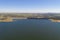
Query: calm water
point(30, 29)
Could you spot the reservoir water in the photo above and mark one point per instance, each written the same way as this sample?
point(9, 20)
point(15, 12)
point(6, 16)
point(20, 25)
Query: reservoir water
point(30, 29)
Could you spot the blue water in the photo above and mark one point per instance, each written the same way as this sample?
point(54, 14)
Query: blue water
point(30, 29)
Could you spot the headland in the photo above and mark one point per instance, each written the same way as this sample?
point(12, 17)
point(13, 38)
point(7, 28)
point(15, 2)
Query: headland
point(8, 17)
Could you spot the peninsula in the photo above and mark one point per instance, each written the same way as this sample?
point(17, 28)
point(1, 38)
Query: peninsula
point(8, 17)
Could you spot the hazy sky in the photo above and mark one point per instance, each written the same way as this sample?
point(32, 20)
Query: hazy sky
point(29, 5)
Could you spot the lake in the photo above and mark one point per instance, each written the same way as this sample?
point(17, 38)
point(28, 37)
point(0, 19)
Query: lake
point(30, 29)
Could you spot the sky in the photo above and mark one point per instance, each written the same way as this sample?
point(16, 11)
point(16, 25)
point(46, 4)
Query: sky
point(30, 6)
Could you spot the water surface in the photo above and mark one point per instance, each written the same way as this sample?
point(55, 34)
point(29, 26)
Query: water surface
point(30, 29)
